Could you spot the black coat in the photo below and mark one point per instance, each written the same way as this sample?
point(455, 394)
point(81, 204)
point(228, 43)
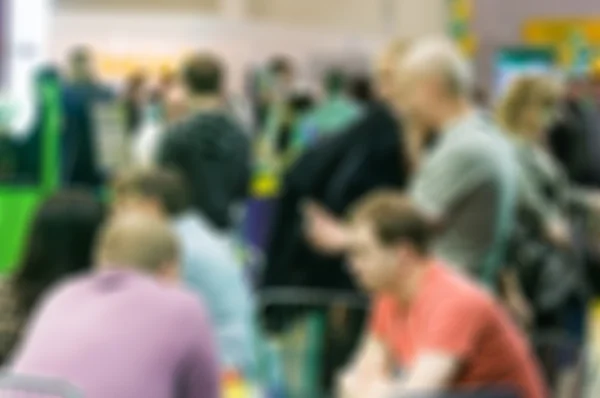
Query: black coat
point(575, 142)
point(335, 173)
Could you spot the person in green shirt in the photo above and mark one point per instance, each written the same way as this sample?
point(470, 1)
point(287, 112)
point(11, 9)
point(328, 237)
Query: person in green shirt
point(335, 112)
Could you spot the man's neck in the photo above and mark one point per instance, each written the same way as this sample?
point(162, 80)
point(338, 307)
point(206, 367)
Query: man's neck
point(205, 102)
point(453, 112)
point(410, 287)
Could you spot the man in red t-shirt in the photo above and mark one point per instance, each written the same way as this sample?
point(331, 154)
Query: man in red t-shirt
point(432, 330)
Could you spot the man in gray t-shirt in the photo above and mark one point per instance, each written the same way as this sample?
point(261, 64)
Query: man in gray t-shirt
point(467, 183)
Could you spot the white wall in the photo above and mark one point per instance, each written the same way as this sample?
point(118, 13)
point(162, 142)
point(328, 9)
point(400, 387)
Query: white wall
point(27, 49)
point(400, 17)
point(163, 34)
point(298, 28)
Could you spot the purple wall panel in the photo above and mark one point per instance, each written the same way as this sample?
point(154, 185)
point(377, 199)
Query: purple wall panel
point(498, 23)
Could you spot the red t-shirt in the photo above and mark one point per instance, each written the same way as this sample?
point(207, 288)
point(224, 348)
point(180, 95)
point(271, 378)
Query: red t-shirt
point(452, 315)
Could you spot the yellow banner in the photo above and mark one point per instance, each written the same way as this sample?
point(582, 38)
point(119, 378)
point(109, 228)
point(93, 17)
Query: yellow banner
point(118, 66)
point(560, 33)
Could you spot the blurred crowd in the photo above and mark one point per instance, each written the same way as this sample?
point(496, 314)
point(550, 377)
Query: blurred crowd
point(422, 238)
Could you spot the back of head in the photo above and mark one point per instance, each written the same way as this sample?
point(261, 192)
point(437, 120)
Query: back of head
point(361, 90)
point(281, 66)
point(440, 58)
point(301, 103)
point(135, 241)
point(394, 219)
point(60, 243)
point(334, 81)
point(203, 74)
point(164, 187)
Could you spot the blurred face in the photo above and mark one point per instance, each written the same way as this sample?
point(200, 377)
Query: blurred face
point(83, 67)
point(375, 267)
point(540, 116)
point(419, 98)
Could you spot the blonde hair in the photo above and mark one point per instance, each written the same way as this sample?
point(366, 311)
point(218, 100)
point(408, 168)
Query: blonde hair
point(389, 56)
point(523, 92)
point(440, 56)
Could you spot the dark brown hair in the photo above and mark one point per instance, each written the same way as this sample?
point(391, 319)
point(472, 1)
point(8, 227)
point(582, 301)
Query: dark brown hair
point(164, 186)
point(394, 218)
point(203, 74)
point(60, 243)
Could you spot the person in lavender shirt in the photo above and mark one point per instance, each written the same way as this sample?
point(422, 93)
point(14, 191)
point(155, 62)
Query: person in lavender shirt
point(126, 330)
point(209, 267)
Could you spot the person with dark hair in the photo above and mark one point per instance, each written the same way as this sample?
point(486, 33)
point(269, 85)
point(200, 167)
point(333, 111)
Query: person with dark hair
point(83, 92)
point(209, 265)
point(133, 101)
point(274, 84)
point(335, 112)
point(297, 108)
point(370, 154)
point(361, 90)
point(282, 76)
point(208, 148)
point(60, 244)
point(203, 74)
point(439, 328)
point(281, 65)
point(125, 329)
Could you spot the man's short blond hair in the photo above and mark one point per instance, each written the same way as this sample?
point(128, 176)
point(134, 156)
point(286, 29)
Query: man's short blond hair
point(136, 241)
point(439, 56)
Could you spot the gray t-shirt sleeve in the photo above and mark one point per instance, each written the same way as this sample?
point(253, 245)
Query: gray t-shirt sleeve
point(447, 177)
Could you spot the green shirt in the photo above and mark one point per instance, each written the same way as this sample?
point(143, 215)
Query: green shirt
point(330, 117)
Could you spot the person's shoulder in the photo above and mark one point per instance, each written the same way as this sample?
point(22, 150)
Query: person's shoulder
point(66, 292)
point(185, 308)
point(383, 304)
point(486, 144)
point(181, 126)
point(177, 300)
point(461, 291)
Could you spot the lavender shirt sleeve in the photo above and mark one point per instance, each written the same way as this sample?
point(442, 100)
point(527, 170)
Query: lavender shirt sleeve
point(200, 375)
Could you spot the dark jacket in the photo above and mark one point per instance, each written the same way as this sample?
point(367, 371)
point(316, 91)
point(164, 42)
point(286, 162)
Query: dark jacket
point(212, 153)
point(335, 172)
point(575, 141)
point(550, 275)
point(80, 153)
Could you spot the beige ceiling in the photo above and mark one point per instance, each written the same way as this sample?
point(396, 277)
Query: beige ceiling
point(171, 5)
